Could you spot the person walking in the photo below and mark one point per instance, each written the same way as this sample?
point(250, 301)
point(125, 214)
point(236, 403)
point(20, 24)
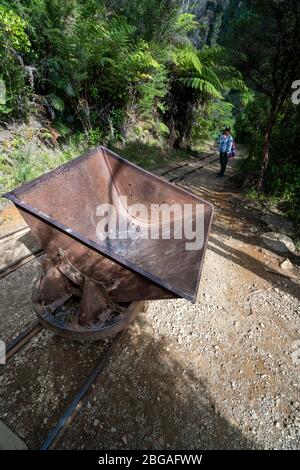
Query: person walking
point(225, 147)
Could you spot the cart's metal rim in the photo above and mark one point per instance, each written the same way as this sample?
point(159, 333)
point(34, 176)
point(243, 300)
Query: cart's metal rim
point(98, 149)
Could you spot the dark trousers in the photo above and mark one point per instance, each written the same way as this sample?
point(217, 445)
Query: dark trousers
point(223, 162)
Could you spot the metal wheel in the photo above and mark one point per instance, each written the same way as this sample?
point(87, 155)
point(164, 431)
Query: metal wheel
point(65, 324)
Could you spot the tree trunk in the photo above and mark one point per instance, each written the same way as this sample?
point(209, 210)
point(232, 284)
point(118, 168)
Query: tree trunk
point(266, 150)
point(265, 160)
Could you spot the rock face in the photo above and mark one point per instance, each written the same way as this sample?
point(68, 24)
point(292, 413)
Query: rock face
point(276, 223)
point(278, 242)
point(210, 14)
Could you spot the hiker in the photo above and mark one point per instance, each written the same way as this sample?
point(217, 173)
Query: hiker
point(225, 148)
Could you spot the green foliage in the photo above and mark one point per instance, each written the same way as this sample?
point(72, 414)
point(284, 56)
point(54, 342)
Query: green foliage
point(263, 39)
point(13, 42)
point(199, 78)
point(114, 70)
point(114, 66)
point(209, 122)
point(56, 102)
point(30, 162)
point(185, 23)
point(282, 180)
point(95, 137)
point(154, 20)
point(203, 86)
point(90, 66)
point(12, 32)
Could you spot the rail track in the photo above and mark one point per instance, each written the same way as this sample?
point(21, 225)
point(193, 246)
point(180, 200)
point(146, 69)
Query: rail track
point(175, 175)
point(70, 412)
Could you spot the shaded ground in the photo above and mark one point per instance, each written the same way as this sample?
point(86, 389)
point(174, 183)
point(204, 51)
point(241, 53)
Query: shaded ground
point(218, 374)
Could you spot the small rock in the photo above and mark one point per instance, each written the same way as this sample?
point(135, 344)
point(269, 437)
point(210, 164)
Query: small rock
point(286, 264)
point(96, 422)
point(124, 440)
point(278, 242)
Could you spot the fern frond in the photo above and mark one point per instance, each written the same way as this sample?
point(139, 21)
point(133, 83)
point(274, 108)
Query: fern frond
point(185, 23)
point(188, 59)
point(56, 102)
point(203, 86)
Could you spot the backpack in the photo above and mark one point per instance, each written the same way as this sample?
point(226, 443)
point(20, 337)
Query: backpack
point(233, 149)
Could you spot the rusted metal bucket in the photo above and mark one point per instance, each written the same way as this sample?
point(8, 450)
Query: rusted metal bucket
point(64, 210)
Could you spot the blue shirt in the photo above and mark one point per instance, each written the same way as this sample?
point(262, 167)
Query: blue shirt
point(225, 143)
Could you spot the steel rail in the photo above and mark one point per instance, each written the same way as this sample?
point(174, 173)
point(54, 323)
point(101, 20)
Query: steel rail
point(179, 178)
point(67, 417)
point(18, 264)
point(22, 339)
point(11, 234)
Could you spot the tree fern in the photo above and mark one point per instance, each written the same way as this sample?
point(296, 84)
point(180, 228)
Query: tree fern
point(198, 77)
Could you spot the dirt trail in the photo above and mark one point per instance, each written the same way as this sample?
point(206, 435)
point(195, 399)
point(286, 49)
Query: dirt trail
point(223, 373)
